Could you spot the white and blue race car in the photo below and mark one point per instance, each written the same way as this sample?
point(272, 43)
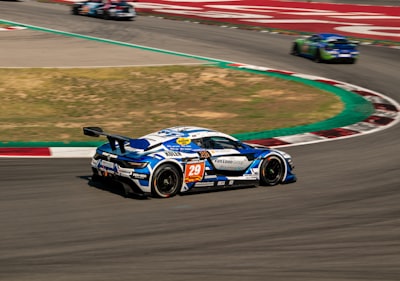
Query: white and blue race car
point(109, 9)
point(186, 158)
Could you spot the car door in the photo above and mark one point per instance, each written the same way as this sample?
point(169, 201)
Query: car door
point(305, 46)
point(314, 44)
point(227, 156)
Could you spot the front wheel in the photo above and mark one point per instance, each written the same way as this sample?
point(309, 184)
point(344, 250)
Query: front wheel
point(167, 181)
point(317, 57)
point(272, 171)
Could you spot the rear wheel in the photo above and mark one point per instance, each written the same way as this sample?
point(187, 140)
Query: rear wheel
point(272, 171)
point(95, 177)
point(106, 15)
point(166, 182)
point(75, 11)
point(295, 50)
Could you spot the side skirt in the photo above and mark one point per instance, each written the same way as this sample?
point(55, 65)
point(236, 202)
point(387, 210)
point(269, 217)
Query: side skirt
point(220, 185)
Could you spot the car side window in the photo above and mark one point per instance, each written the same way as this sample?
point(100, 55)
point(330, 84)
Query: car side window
point(315, 38)
point(208, 143)
point(220, 143)
point(198, 142)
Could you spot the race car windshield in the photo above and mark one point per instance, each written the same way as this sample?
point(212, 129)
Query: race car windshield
point(338, 41)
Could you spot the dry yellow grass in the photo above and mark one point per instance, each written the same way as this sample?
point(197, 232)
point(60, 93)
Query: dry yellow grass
point(54, 104)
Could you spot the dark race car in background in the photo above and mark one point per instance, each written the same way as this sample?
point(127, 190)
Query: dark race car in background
point(326, 47)
point(182, 159)
point(106, 10)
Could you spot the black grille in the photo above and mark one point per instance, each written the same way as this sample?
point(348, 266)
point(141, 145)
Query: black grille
point(121, 163)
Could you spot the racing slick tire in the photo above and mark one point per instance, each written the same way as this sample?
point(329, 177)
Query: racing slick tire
point(317, 57)
point(95, 177)
point(272, 171)
point(166, 181)
point(106, 15)
point(295, 50)
point(75, 11)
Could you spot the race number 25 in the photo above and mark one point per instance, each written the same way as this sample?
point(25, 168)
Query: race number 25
point(194, 171)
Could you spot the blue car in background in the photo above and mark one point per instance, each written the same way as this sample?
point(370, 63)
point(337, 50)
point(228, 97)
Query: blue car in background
point(324, 47)
point(186, 158)
point(106, 10)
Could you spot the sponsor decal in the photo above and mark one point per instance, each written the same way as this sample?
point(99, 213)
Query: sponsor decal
point(173, 154)
point(194, 171)
point(183, 141)
point(223, 161)
point(139, 176)
point(204, 184)
point(234, 163)
point(204, 154)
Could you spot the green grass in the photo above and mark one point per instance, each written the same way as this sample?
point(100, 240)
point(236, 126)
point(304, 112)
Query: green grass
point(54, 104)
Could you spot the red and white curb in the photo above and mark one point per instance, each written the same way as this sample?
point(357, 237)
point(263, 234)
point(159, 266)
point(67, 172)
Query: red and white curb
point(386, 113)
point(8, 28)
point(47, 152)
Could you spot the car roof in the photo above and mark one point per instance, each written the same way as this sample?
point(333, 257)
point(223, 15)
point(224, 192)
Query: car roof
point(326, 36)
point(177, 132)
point(191, 132)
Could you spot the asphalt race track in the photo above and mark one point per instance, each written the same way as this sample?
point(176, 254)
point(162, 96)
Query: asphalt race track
point(340, 221)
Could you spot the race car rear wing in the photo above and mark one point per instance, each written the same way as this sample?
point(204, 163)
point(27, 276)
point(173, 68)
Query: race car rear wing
point(112, 139)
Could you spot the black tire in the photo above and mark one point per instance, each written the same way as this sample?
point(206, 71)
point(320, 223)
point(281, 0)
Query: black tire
point(272, 171)
point(317, 57)
point(166, 181)
point(75, 11)
point(106, 15)
point(95, 177)
point(295, 50)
